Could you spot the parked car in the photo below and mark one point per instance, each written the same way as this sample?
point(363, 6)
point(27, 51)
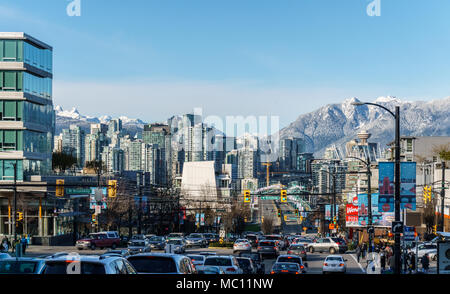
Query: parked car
point(98, 240)
point(109, 264)
point(331, 245)
point(246, 264)
point(228, 263)
point(257, 261)
point(157, 242)
point(285, 268)
point(268, 247)
point(210, 270)
point(295, 259)
point(178, 246)
point(196, 240)
point(334, 263)
point(139, 246)
point(162, 263)
point(297, 249)
point(242, 245)
point(21, 265)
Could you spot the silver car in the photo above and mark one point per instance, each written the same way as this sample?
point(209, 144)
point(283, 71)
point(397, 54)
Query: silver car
point(334, 264)
point(162, 263)
point(175, 246)
point(242, 245)
point(138, 246)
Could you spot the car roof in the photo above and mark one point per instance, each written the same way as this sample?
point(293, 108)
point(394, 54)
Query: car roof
point(276, 263)
point(159, 254)
point(221, 256)
point(289, 255)
point(22, 259)
point(334, 256)
point(86, 258)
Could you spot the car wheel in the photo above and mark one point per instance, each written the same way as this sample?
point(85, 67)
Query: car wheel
point(332, 250)
point(434, 258)
point(92, 246)
point(113, 246)
point(311, 249)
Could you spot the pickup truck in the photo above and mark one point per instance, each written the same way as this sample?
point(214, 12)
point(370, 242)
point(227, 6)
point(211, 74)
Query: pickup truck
point(98, 240)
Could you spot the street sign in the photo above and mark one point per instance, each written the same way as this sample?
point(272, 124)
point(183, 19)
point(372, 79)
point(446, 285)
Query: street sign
point(78, 191)
point(222, 233)
point(408, 234)
point(397, 227)
point(370, 230)
point(269, 198)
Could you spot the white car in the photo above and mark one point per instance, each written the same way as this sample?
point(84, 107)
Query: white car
point(175, 246)
point(227, 263)
point(425, 248)
point(335, 264)
point(242, 245)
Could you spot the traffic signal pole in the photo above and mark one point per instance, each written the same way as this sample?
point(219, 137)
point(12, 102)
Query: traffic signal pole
point(15, 203)
point(397, 249)
point(442, 197)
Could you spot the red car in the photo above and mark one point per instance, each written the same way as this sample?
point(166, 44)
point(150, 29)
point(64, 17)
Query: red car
point(100, 240)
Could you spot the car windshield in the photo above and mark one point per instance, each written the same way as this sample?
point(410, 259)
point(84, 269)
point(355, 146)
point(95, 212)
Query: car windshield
point(273, 238)
point(157, 238)
point(241, 241)
point(17, 267)
point(174, 235)
point(137, 243)
point(62, 268)
point(219, 261)
point(337, 240)
point(153, 264)
point(254, 256)
point(175, 242)
point(334, 258)
point(297, 247)
point(138, 237)
point(251, 237)
point(289, 259)
point(286, 266)
point(195, 236)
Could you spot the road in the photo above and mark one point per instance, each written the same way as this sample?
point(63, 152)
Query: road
point(314, 260)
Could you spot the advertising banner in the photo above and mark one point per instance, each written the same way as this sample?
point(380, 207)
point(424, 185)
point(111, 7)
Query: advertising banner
point(407, 186)
point(202, 219)
point(351, 215)
point(328, 212)
point(93, 202)
point(363, 209)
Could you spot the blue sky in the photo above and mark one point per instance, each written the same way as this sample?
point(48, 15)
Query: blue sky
point(154, 58)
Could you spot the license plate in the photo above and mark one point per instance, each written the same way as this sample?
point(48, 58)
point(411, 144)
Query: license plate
point(333, 265)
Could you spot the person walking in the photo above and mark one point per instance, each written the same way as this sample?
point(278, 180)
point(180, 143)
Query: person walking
point(24, 243)
point(383, 259)
point(425, 263)
point(412, 262)
point(364, 250)
point(358, 252)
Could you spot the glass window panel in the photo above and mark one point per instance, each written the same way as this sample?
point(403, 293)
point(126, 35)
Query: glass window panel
point(1, 50)
point(19, 81)
point(20, 51)
point(10, 50)
point(10, 109)
point(1, 78)
point(19, 145)
point(20, 110)
point(10, 80)
point(1, 136)
point(10, 137)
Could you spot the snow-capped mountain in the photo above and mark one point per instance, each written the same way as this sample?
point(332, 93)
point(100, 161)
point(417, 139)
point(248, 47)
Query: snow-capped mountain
point(339, 123)
point(64, 118)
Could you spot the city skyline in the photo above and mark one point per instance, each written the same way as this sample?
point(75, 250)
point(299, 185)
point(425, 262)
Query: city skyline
point(318, 53)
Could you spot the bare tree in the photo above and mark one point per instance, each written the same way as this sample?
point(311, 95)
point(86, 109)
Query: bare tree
point(267, 225)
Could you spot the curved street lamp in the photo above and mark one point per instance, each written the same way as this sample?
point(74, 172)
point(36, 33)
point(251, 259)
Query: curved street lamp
point(396, 115)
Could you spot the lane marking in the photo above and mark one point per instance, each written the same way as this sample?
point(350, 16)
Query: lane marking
point(360, 266)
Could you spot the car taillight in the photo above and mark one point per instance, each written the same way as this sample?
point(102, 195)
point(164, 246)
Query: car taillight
point(339, 243)
point(275, 247)
point(284, 271)
point(297, 273)
point(289, 252)
point(303, 252)
point(231, 269)
point(341, 264)
point(302, 267)
point(325, 264)
point(272, 272)
point(259, 248)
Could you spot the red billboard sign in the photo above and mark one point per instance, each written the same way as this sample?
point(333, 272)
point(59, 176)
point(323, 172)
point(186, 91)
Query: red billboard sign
point(351, 215)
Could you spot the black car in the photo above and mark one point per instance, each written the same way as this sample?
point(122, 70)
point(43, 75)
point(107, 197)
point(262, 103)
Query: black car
point(297, 249)
point(157, 242)
point(253, 239)
point(268, 247)
point(257, 261)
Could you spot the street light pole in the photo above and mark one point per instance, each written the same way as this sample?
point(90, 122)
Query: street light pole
point(397, 250)
point(442, 197)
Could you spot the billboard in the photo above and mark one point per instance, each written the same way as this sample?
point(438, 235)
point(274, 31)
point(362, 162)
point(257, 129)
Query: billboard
point(351, 215)
point(328, 212)
point(363, 209)
point(386, 186)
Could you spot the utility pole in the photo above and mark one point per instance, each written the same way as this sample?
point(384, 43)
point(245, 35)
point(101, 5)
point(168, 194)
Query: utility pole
point(397, 249)
point(15, 203)
point(138, 185)
point(369, 199)
point(442, 197)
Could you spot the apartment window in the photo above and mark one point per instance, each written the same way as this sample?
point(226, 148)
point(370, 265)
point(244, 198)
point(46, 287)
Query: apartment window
point(11, 110)
point(409, 145)
point(7, 170)
point(10, 140)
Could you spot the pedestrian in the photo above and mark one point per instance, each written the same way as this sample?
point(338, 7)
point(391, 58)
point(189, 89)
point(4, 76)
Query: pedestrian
point(24, 243)
point(364, 250)
point(412, 262)
point(358, 252)
point(425, 263)
point(383, 260)
point(391, 262)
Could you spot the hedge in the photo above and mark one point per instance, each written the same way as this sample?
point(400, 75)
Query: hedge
point(224, 244)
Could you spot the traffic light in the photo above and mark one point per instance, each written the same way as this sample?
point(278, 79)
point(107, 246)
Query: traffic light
point(112, 188)
point(59, 188)
point(426, 194)
point(296, 212)
point(283, 195)
point(19, 216)
point(285, 218)
point(434, 229)
point(247, 197)
point(94, 218)
point(279, 212)
point(334, 219)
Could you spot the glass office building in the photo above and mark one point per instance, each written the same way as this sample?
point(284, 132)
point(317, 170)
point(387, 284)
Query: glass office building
point(27, 119)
